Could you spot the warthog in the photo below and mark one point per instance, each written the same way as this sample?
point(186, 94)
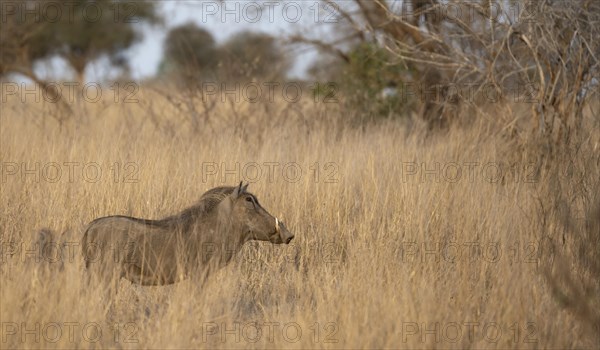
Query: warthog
point(201, 238)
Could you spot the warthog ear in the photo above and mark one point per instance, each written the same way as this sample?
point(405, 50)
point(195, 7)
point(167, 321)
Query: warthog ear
point(239, 190)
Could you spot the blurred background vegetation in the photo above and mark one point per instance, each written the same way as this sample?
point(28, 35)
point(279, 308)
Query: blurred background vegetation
point(436, 60)
point(529, 71)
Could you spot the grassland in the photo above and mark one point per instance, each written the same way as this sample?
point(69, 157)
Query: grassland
point(404, 238)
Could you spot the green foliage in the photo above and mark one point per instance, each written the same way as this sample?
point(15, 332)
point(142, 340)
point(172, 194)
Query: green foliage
point(324, 91)
point(372, 81)
point(368, 69)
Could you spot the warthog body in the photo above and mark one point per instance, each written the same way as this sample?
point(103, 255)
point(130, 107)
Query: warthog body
point(201, 238)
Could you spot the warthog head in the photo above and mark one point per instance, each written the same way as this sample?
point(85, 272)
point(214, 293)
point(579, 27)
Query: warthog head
point(255, 222)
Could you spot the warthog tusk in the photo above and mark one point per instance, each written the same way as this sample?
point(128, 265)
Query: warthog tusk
point(276, 225)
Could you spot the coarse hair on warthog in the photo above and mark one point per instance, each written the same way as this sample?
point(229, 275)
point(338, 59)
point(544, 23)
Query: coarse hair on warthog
point(201, 238)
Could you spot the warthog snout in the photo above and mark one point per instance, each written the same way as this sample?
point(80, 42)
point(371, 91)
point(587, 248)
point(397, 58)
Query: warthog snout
point(284, 234)
point(248, 214)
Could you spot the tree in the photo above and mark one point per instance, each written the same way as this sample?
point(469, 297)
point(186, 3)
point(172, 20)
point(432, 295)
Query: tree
point(542, 51)
point(190, 53)
point(250, 55)
point(79, 32)
point(367, 80)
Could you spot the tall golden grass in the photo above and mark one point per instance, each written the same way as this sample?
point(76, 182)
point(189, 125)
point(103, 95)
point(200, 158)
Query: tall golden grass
point(393, 247)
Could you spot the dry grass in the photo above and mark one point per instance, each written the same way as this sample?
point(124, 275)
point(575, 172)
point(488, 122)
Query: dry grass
point(383, 258)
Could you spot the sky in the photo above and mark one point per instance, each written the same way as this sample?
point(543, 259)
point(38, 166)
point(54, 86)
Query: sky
point(222, 19)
